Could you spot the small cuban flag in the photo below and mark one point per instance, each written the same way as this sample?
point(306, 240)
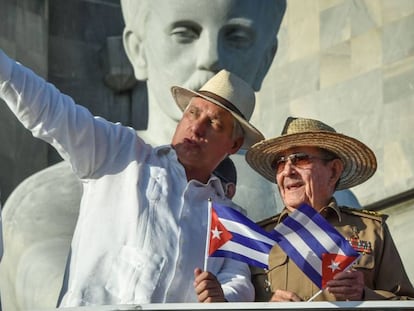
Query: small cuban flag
point(333, 264)
point(316, 247)
point(233, 235)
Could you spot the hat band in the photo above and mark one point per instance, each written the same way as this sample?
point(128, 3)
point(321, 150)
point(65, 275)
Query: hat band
point(223, 101)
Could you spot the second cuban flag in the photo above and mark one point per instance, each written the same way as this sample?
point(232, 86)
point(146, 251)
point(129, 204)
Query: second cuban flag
point(315, 246)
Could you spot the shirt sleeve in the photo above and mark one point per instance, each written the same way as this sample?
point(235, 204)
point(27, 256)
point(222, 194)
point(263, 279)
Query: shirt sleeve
point(89, 143)
point(391, 281)
point(5, 68)
point(234, 278)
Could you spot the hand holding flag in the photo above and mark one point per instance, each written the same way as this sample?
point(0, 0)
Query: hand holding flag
point(316, 247)
point(332, 264)
point(307, 237)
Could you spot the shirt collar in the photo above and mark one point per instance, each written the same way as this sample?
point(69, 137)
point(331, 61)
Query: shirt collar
point(164, 149)
point(217, 185)
point(214, 181)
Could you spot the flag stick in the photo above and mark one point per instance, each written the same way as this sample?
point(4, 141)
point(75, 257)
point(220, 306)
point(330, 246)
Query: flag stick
point(346, 269)
point(208, 234)
point(314, 296)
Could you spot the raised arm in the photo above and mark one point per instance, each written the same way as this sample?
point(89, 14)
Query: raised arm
point(86, 141)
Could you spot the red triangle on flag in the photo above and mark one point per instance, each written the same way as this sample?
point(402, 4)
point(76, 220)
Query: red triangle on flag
point(219, 235)
point(333, 264)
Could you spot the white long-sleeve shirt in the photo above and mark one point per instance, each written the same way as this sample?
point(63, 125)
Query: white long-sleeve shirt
point(142, 227)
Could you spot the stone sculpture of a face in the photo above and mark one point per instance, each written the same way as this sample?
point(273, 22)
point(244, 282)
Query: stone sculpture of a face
point(185, 42)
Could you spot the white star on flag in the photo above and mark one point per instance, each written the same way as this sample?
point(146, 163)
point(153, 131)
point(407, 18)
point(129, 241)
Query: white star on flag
point(216, 233)
point(334, 265)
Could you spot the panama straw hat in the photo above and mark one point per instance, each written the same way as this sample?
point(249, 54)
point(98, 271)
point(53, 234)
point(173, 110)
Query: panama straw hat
point(230, 92)
point(359, 161)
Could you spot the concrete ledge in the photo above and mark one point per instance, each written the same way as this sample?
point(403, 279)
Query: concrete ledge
point(344, 305)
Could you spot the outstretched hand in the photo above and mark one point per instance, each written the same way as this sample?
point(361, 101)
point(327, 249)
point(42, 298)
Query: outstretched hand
point(207, 287)
point(348, 285)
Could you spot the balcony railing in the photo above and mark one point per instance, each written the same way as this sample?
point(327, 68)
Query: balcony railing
point(257, 306)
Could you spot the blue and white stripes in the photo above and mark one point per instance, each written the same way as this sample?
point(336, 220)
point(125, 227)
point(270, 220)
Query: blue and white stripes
point(249, 243)
point(305, 235)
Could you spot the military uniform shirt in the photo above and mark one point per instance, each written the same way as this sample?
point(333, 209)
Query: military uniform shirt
point(384, 273)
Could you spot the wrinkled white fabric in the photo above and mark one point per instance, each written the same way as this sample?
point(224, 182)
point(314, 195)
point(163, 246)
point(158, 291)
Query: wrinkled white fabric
point(142, 227)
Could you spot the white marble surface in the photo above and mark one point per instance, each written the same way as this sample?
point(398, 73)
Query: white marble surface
point(350, 64)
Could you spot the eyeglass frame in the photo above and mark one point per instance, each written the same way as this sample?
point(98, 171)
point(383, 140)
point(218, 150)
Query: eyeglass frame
point(294, 158)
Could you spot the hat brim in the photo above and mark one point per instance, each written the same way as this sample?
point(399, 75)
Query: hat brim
point(359, 161)
point(183, 96)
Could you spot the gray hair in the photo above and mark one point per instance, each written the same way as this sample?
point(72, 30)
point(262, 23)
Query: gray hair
point(237, 130)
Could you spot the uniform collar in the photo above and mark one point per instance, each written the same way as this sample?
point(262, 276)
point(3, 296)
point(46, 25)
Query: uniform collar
point(331, 210)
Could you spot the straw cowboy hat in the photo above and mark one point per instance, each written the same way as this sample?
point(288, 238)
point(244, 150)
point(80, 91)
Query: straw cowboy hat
point(228, 91)
point(359, 161)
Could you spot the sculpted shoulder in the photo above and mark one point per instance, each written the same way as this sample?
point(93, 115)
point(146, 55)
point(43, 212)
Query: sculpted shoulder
point(364, 213)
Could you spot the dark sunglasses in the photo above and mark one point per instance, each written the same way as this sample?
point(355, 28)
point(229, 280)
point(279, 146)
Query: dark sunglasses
point(300, 160)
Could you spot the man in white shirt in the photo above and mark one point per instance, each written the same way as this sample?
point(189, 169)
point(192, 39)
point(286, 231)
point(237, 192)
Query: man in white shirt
point(179, 42)
point(141, 232)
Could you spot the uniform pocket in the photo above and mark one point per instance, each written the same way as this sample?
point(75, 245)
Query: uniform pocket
point(134, 275)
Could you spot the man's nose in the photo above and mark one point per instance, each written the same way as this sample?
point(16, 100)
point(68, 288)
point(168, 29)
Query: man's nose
point(288, 168)
point(199, 126)
point(208, 56)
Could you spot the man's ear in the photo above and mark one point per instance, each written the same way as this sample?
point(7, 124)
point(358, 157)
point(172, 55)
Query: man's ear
point(337, 169)
point(134, 49)
point(230, 190)
point(238, 142)
point(267, 61)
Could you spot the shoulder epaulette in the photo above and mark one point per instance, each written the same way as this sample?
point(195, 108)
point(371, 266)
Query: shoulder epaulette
point(365, 213)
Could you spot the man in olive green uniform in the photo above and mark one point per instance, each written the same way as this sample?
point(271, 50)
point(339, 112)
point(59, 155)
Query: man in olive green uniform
point(309, 161)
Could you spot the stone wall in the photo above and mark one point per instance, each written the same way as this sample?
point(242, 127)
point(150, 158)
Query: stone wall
point(24, 35)
point(350, 64)
point(69, 44)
